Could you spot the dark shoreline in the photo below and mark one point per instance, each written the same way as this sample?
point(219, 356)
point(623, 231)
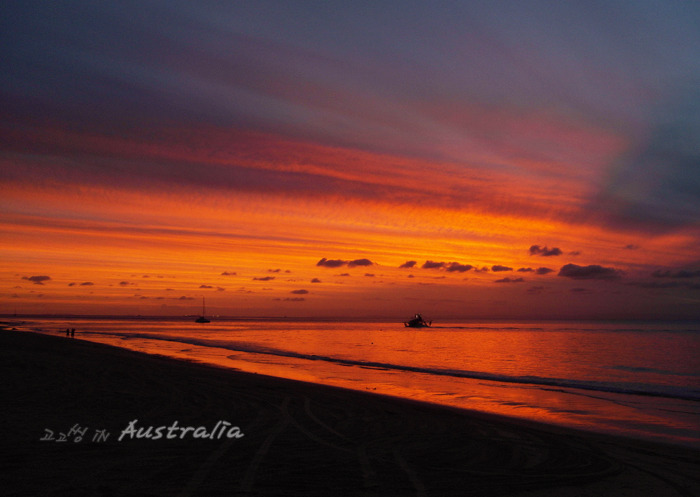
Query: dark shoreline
point(299, 438)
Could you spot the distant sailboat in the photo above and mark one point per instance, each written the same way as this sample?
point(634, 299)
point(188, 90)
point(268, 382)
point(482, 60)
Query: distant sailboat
point(202, 319)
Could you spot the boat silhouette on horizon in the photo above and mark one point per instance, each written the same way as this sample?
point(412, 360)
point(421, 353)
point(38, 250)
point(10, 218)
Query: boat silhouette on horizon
point(417, 322)
point(202, 319)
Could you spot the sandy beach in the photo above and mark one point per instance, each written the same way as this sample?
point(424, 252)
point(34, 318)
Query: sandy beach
point(140, 425)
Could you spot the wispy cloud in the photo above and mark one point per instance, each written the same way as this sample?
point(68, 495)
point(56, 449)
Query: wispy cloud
point(510, 280)
point(439, 135)
point(680, 273)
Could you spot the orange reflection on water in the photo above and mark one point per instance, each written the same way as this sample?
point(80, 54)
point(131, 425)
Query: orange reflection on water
point(451, 353)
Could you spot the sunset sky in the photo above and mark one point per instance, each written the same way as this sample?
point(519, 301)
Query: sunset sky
point(495, 159)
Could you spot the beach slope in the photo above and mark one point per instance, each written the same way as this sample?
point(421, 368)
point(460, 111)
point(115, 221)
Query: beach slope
point(220, 432)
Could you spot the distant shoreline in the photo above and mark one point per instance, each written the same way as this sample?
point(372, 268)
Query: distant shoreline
point(8, 318)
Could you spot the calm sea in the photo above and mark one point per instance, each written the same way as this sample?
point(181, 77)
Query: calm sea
point(637, 379)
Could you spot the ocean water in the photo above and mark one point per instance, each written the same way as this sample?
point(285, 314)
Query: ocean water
point(636, 379)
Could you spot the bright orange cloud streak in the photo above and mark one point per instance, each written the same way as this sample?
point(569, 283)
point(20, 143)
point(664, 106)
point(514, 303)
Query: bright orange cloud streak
point(82, 224)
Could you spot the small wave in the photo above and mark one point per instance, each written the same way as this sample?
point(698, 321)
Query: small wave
point(618, 388)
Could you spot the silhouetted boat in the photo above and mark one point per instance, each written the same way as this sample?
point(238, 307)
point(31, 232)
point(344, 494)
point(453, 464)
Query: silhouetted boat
point(202, 319)
point(417, 322)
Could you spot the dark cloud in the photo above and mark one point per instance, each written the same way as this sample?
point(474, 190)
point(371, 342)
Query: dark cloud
point(185, 298)
point(125, 283)
point(539, 270)
point(408, 264)
point(264, 278)
point(510, 280)
point(452, 267)
point(369, 275)
point(592, 272)
point(632, 246)
point(681, 273)
point(655, 185)
point(291, 299)
point(457, 267)
point(315, 280)
point(37, 280)
point(299, 292)
point(227, 273)
point(498, 268)
point(333, 263)
point(544, 251)
point(205, 286)
point(360, 262)
point(274, 270)
point(87, 283)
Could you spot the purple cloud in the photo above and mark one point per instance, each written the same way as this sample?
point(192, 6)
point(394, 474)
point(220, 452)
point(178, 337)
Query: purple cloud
point(592, 272)
point(37, 280)
point(498, 268)
point(333, 263)
point(544, 251)
point(460, 268)
point(360, 262)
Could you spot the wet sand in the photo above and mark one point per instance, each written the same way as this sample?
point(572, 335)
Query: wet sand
point(299, 439)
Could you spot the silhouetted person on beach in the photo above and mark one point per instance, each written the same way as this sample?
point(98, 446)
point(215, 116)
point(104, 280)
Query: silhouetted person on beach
point(67, 332)
point(72, 333)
